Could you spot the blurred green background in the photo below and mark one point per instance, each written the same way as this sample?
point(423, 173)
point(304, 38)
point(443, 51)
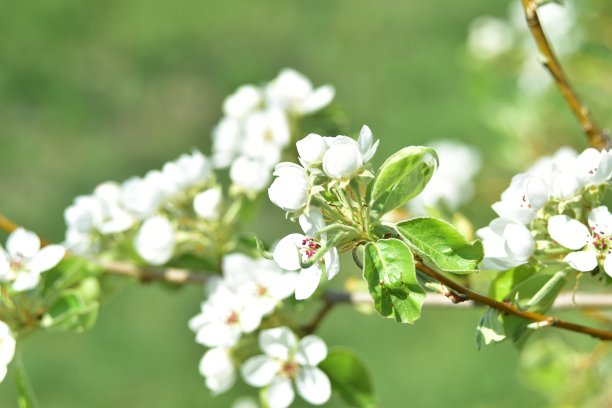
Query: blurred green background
point(91, 91)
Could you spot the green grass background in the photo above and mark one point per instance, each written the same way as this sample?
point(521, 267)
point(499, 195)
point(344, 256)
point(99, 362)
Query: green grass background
point(97, 90)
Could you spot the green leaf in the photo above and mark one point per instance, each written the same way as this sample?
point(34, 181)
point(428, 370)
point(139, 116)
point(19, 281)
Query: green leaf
point(389, 271)
point(441, 244)
point(490, 329)
point(349, 378)
point(503, 284)
point(402, 177)
point(536, 294)
point(68, 273)
point(71, 312)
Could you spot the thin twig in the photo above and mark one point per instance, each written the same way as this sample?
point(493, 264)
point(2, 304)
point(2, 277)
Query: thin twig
point(150, 274)
point(511, 309)
point(314, 324)
point(596, 136)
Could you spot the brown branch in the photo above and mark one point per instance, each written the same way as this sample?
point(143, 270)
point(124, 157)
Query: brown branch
point(314, 324)
point(511, 309)
point(150, 274)
point(596, 136)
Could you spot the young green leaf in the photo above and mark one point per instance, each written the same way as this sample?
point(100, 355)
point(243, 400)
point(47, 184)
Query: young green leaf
point(402, 177)
point(389, 271)
point(536, 294)
point(490, 329)
point(440, 243)
point(71, 312)
point(349, 378)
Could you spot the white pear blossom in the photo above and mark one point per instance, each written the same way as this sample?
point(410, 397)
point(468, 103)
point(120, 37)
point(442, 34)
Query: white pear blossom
point(343, 159)
point(217, 367)
point(142, 197)
point(452, 183)
point(244, 101)
point(593, 166)
point(266, 133)
point(100, 211)
point(24, 261)
point(506, 244)
point(294, 247)
point(591, 245)
point(294, 92)
point(226, 141)
point(250, 175)
point(188, 170)
point(207, 204)
point(155, 240)
point(7, 348)
point(225, 315)
point(519, 202)
point(259, 282)
point(289, 190)
point(311, 149)
point(286, 361)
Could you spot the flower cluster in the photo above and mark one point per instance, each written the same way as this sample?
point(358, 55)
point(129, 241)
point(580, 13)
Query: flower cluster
point(143, 202)
point(553, 186)
point(7, 348)
point(257, 126)
point(23, 261)
point(249, 290)
point(491, 37)
point(327, 164)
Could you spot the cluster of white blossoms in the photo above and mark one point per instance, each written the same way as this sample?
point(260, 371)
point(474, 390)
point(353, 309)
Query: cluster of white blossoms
point(23, 260)
point(7, 348)
point(491, 37)
point(452, 185)
point(287, 362)
point(141, 202)
point(331, 161)
point(543, 193)
point(257, 126)
point(250, 290)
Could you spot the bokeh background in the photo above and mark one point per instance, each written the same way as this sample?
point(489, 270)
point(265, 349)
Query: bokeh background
point(94, 91)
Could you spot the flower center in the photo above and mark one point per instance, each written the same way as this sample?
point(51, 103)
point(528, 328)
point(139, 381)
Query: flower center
point(309, 247)
point(600, 240)
point(289, 369)
point(525, 202)
point(17, 264)
point(261, 290)
point(233, 318)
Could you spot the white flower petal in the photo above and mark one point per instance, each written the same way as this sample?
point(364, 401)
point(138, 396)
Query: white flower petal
point(317, 100)
point(608, 265)
point(5, 267)
point(280, 393)
point(3, 371)
point(307, 282)
point(279, 342)
point(286, 253)
point(47, 258)
point(313, 385)
point(22, 243)
point(260, 371)
point(25, 281)
point(312, 222)
point(311, 351)
point(217, 367)
point(519, 242)
point(568, 232)
point(583, 261)
point(332, 263)
point(601, 220)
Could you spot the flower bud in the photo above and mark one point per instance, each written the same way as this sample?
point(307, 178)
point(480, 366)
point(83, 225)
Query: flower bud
point(207, 203)
point(155, 240)
point(343, 159)
point(311, 149)
point(289, 190)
